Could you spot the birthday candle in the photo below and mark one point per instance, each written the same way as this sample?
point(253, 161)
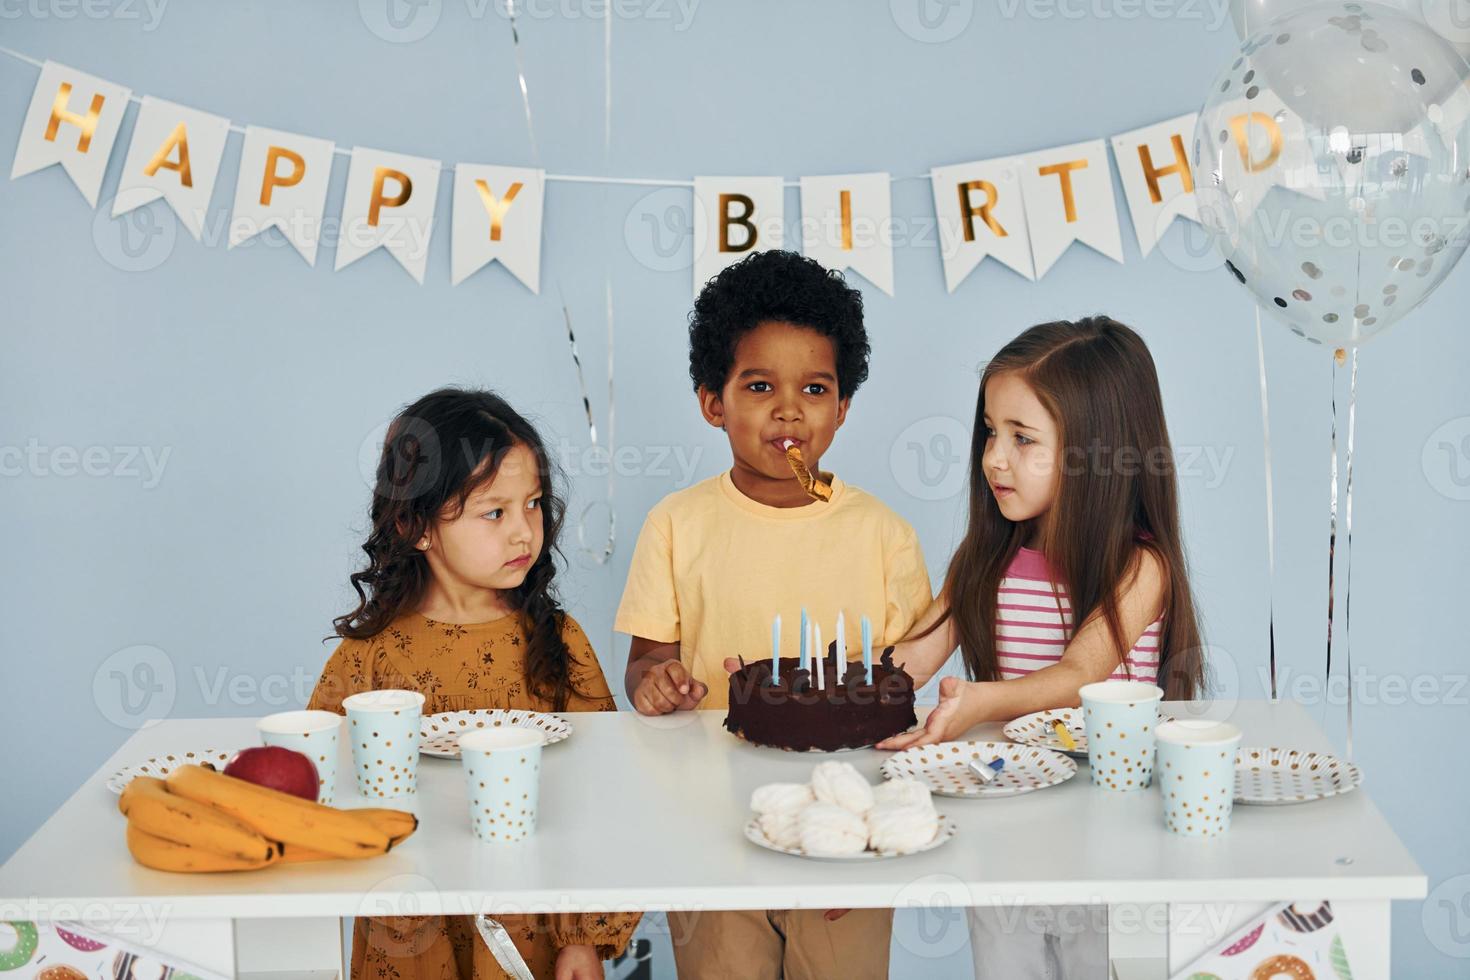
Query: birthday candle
point(804, 631)
point(839, 658)
point(820, 655)
point(867, 629)
point(776, 650)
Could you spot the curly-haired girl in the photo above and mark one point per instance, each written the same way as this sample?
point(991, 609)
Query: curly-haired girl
point(457, 602)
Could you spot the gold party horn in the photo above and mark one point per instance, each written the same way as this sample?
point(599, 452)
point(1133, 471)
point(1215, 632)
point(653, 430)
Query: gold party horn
point(815, 486)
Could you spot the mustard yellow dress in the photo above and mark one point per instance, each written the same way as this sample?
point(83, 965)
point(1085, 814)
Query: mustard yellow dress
point(460, 667)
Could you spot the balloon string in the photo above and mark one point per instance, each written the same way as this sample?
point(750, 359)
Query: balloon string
point(577, 361)
point(1347, 558)
point(1332, 532)
point(603, 554)
point(612, 517)
point(1347, 586)
point(1247, 27)
point(599, 555)
point(515, 37)
point(607, 108)
point(1270, 503)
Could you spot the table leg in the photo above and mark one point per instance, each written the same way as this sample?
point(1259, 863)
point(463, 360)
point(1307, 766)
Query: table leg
point(289, 949)
point(1138, 941)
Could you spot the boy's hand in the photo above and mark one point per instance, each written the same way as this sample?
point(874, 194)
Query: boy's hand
point(667, 687)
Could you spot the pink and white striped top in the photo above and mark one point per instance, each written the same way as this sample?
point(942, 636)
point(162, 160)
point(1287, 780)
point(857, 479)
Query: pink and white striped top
point(1034, 620)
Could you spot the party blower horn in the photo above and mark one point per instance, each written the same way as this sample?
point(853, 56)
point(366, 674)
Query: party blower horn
point(814, 485)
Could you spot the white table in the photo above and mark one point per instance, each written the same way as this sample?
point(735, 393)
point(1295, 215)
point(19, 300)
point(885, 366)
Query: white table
point(640, 813)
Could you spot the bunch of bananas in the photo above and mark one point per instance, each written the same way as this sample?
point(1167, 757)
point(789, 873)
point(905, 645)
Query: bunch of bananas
point(202, 820)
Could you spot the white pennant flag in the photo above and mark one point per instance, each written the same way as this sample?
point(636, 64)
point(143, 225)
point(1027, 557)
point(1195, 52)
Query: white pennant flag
point(735, 217)
point(847, 223)
point(497, 215)
point(1069, 197)
point(73, 120)
point(390, 202)
point(981, 212)
point(1157, 180)
point(283, 185)
point(175, 155)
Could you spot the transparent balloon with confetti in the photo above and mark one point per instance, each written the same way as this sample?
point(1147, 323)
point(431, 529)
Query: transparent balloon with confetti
point(1332, 165)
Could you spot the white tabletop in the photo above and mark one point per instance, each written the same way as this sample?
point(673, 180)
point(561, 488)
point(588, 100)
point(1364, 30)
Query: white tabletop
point(640, 813)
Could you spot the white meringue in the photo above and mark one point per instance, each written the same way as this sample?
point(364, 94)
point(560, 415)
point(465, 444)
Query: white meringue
point(828, 829)
point(840, 784)
point(895, 827)
point(780, 797)
point(905, 792)
point(782, 828)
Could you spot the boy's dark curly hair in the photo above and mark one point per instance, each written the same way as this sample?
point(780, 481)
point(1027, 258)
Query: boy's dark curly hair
point(776, 285)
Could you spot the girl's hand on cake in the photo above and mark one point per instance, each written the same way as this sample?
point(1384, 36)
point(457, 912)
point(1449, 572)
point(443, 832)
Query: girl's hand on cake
point(667, 687)
point(578, 963)
point(951, 717)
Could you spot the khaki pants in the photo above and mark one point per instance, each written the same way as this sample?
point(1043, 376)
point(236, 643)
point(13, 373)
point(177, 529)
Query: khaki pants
point(795, 944)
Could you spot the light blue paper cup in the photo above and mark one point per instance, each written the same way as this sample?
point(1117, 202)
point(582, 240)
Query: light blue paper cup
point(502, 771)
point(1197, 775)
point(1121, 718)
point(384, 728)
point(314, 735)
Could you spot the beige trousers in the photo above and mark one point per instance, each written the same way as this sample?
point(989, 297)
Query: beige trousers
point(795, 944)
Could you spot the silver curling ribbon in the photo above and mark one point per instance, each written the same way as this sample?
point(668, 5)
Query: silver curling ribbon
point(502, 948)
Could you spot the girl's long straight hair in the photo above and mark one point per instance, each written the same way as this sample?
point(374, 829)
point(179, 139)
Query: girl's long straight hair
point(436, 454)
point(1116, 493)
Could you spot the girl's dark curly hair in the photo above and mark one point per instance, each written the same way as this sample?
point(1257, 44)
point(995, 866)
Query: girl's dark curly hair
point(781, 286)
point(436, 454)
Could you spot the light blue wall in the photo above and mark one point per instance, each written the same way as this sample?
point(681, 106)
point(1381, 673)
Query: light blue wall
point(262, 378)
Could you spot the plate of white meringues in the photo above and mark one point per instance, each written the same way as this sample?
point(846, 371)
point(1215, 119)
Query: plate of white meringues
point(840, 816)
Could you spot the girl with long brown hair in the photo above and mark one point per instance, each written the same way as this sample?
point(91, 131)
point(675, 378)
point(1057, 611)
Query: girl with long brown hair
point(1073, 531)
point(1071, 571)
point(458, 602)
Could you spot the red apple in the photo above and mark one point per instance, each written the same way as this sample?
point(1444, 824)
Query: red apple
point(278, 768)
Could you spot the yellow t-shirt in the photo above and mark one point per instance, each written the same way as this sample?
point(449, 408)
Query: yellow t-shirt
point(712, 568)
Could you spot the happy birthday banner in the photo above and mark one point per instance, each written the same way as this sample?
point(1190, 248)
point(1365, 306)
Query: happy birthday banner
point(1025, 211)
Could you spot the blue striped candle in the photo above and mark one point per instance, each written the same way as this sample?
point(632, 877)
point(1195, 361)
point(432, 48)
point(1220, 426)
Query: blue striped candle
point(867, 628)
point(821, 656)
point(776, 650)
point(839, 656)
point(803, 638)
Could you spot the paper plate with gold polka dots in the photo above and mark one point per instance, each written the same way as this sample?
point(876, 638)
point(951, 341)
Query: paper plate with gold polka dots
point(160, 766)
point(439, 734)
point(1279, 777)
point(1038, 729)
point(945, 768)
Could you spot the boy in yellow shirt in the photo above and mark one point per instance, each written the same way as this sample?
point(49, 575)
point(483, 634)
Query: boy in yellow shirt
point(776, 349)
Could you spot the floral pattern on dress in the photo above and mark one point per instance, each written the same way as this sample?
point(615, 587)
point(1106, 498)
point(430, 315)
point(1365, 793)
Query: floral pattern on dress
point(462, 667)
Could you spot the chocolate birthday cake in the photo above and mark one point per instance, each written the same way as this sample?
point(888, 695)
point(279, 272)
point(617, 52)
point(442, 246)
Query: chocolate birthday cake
point(846, 713)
